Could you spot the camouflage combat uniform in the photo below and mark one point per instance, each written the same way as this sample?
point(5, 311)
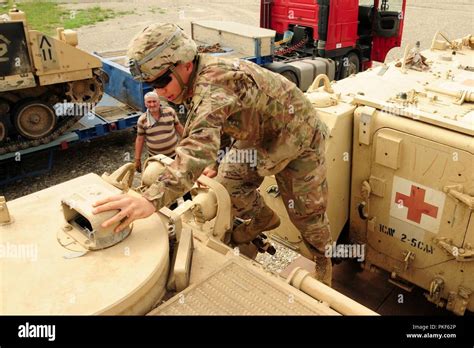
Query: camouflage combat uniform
point(263, 112)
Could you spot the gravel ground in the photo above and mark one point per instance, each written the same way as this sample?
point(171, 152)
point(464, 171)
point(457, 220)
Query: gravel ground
point(280, 260)
point(117, 33)
point(97, 156)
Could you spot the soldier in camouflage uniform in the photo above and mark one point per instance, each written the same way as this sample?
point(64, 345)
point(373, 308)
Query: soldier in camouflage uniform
point(262, 111)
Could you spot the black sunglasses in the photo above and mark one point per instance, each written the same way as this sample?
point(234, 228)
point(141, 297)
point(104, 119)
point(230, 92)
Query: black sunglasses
point(163, 80)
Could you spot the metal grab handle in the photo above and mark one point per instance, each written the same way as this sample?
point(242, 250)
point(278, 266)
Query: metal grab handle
point(122, 178)
point(315, 85)
point(360, 209)
point(462, 95)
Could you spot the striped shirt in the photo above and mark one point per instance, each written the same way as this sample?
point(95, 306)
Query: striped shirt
point(160, 136)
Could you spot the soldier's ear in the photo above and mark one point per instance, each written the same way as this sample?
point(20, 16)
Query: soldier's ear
point(189, 66)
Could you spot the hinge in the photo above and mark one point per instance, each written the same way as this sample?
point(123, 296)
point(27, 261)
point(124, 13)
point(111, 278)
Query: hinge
point(366, 114)
point(461, 254)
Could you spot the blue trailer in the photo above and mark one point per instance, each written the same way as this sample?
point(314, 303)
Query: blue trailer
point(119, 109)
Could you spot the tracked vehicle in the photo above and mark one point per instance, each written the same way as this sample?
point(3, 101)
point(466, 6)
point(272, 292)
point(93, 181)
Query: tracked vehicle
point(400, 169)
point(46, 83)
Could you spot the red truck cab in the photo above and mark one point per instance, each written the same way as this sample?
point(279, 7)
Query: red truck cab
point(353, 33)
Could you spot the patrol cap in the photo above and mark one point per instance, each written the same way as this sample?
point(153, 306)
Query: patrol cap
point(156, 48)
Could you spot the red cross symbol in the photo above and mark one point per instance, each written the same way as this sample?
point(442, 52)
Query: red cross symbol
point(416, 204)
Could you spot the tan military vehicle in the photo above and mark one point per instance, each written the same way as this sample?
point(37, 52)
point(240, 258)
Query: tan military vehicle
point(37, 72)
point(401, 170)
point(69, 264)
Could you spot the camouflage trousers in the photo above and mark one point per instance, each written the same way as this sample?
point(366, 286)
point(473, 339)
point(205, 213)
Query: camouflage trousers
point(303, 187)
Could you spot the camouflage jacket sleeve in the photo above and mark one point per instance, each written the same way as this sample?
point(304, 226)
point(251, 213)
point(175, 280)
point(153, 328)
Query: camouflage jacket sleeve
point(226, 144)
point(199, 146)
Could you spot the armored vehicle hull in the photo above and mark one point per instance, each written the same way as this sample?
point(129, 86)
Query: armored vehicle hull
point(47, 84)
point(400, 169)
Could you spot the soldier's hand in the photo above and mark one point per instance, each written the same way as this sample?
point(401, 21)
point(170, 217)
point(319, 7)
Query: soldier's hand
point(209, 172)
point(131, 208)
point(138, 165)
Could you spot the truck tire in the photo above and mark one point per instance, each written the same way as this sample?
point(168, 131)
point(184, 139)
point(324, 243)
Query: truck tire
point(350, 65)
point(3, 131)
point(290, 75)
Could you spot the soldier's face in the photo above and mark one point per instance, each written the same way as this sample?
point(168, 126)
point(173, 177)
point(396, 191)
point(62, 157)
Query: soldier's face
point(172, 91)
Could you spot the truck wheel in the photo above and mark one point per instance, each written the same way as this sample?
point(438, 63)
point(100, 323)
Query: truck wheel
point(34, 119)
point(290, 75)
point(350, 65)
point(3, 131)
